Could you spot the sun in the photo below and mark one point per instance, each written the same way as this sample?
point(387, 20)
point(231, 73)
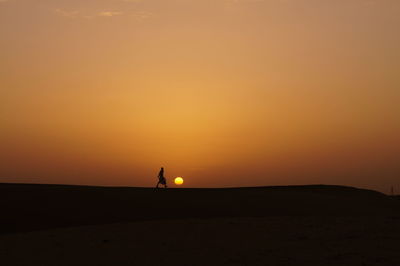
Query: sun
point(178, 181)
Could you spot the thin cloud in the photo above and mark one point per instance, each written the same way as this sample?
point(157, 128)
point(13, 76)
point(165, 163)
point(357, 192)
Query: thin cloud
point(78, 14)
point(109, 13)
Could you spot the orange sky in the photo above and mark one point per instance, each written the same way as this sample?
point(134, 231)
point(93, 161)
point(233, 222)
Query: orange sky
point(221, 92)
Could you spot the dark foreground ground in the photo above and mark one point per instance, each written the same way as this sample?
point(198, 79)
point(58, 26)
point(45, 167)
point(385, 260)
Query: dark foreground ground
point(304, 225)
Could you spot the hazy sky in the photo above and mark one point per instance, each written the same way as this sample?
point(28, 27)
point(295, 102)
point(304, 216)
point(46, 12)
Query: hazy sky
point(221, 92)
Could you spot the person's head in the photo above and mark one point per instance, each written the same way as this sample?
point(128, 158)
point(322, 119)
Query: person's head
point(162, 168)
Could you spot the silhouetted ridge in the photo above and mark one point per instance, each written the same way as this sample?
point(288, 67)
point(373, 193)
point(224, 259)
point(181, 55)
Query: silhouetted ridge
point(30, 207)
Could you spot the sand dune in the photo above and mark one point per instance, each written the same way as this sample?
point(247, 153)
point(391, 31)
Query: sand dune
point(305, 225)
point(32, 207)
point(299, 240)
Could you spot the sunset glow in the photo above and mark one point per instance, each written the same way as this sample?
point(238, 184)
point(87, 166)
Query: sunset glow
point(230, 93)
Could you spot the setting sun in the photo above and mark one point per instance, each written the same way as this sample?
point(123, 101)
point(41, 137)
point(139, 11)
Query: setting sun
point(178, 181)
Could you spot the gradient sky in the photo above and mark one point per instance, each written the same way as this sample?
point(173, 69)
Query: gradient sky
point(221, 92)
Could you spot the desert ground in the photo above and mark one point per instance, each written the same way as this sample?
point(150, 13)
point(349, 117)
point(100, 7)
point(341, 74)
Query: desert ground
point(297, 225)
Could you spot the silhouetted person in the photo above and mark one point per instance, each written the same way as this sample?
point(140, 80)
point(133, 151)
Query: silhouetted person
point(161, 178)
